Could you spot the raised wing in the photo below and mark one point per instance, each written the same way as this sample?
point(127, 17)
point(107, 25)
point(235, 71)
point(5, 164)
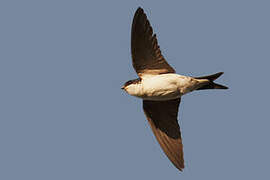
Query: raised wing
point(162, 117)
point(146, 55)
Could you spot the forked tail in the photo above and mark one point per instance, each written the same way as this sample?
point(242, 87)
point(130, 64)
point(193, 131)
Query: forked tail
point(211, 84)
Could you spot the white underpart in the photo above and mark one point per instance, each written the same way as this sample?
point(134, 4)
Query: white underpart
point(164, 87)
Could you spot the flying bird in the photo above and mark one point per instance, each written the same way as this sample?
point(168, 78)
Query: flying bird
point(161, 88)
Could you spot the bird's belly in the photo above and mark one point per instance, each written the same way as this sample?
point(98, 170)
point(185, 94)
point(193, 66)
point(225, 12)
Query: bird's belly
point(160, 89)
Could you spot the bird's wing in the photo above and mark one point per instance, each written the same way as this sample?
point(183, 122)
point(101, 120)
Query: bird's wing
point(146, 55)
point(162, 117)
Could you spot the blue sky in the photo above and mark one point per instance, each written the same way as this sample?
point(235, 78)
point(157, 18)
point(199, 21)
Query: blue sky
point(64, 116)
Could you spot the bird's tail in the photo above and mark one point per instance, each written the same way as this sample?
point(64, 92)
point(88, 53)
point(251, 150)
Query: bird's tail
point(211, 84)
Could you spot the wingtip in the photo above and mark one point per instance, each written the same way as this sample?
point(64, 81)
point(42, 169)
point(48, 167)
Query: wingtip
point(180, 166)
point(180, 169)
point(139, 10)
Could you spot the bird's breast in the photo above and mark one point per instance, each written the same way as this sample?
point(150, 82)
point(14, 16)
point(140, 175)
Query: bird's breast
point(161, 87)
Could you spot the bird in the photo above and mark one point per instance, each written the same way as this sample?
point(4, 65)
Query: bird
point(161, 88)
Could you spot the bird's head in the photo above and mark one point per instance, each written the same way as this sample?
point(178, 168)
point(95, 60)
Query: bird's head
point(127, 85)
point(131, 86)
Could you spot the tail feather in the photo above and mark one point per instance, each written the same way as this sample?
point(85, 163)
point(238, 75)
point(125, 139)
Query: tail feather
point(211, 84)
point(210, 77)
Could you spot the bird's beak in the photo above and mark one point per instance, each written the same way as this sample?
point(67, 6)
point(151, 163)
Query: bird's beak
point(122, 87)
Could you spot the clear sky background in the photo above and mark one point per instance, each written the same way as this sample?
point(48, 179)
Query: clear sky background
point(64, 116)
